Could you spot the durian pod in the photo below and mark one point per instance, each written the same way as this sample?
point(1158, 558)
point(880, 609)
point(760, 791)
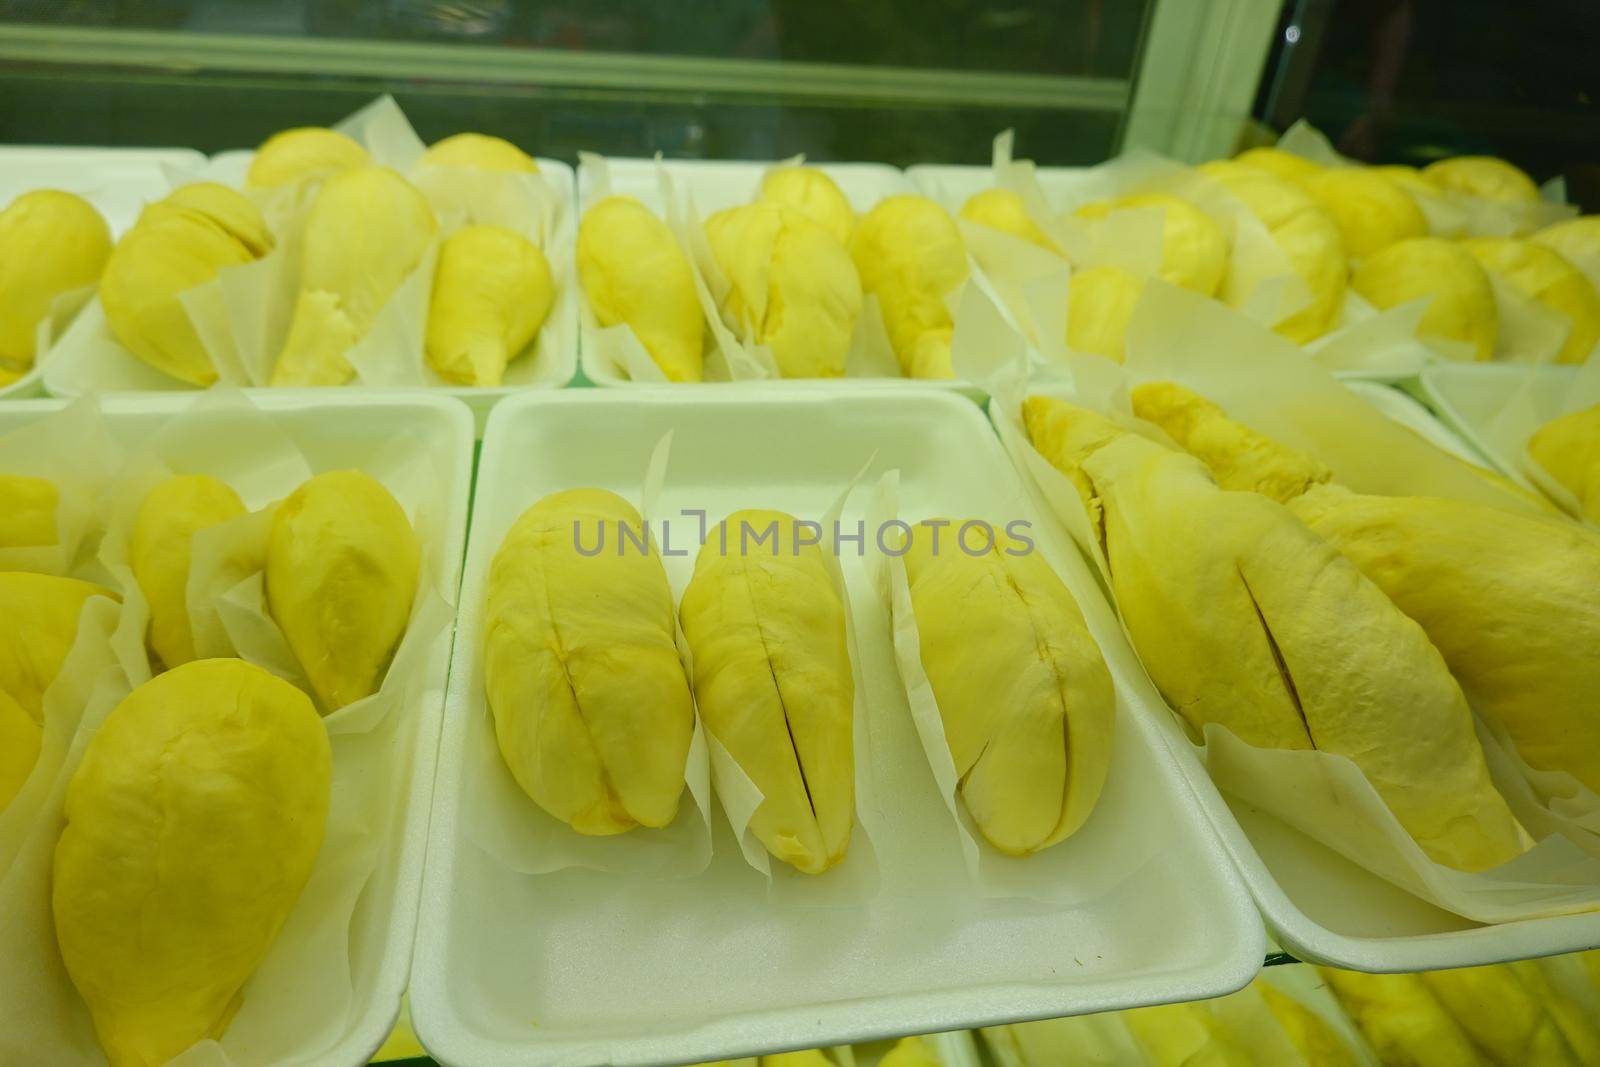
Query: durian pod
point(38, 624)
point(341, 576)
point(1568, 449)
point(1184, 1035)
point(772, 678)
point(634, 274)
point(815, 195)
point(592, 710)
point(1281, 163)
point(1371, 211)
point(366, 231)
point(910, 256)
point(1003, 210)
point(1545, 277)
point(177, 244)
point(480, 151)
point(1461, 305)
point(1401, 1019)
point(305, 152)
point(1578, 240)
point(792, 286)
point(159, 548)
point(1486, 177)
point(192, 825)
point(1194, 251)
point(1307, 1031)
point(51, 243)
point(28, 511)
point(491, 293)
point(1243, 616)
point(1100, 303)
point(1024, 694)
point(1508, 599)
point(1501, 1016)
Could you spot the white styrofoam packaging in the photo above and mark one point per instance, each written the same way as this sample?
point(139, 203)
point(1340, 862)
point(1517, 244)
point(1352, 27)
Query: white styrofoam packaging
point(581, 967)
point(1319, 906)
point(717, 184)
point(335, 431)
point(117, 181)
point(230, 168)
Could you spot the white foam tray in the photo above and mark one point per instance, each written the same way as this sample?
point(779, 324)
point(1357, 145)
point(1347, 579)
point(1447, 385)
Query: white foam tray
point(230, 168)
point(718, 184)
point(117, 181)
point(1467, 396)
point(1318, 905)
point(346, 431)
point(582, 968)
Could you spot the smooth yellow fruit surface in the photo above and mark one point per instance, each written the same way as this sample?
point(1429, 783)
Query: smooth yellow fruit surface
point(1308, 1032)
point(1237, 456)
point(1184, 1035)
point(306, 152)
point(192, 825)
point(177, 244)
point(634, 274)
point(1194, 251)
point(800, 277)
point(1545, 277)
point(1003, 210)
point(1568, 449)
point(367, 230)
point(1281, 164)
point(51, 243)
point(1245, 617)
point(911, 257)
point(342, 571)
point(1501, 1016)
point(592, 710)
point(1100, 305)
point(1483, 176)
point(159, 550)
point(1401, 1019)
point(38, 624)
point(766, 626)
point(1507, 598)
point(478, 150)
point(1371, 211)
point(1023, 692)
point(910, 1052)
point(1307, 236)
point(20, 740)
point(815, 195)
point(491, 293)
point(28, 511)
point(1461, 304)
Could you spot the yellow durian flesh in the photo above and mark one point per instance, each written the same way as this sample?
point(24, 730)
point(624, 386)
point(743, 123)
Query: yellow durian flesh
point(1100, 305)
point(815, 195)
point(159, 549)
point(481, 151)
point(1568, 449)
point(910, 256)
point(1371, 211)
point(1308, 238)
point(1237, 456)
point(1065, 434)
point(1401, 1019)
point(592, 710)
point(910, 1052)
point(1307, 1031)
point(192, 825)
point(306, 152)
point(1184, 1035)
point(51, 243)
point(1545, 277)
point(38, 624)
point(1461, 305)
point(1003, 210)
point(1245, 617)
point(802, 278)
point(367, 230)
point(1581, 1032)
point(1194, 251)
point(1483, 176)
point(341, 575)
point(20, 740)
point(177, 244)
point(772, 679)
point(28, 511)
point(1506, 596)
point(806, 1058)
point(1501, 1016)
point(1578, 240)
point(1281, 164)
point(634, 274)
point(1023, 692)
point(492, 291)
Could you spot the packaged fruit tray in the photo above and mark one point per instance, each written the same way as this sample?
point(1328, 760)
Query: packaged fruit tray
point(329, 988)
point(517, 963)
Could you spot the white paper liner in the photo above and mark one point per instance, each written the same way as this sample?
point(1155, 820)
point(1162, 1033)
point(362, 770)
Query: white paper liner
point(503, 821)
point(1073, 870)
point(73, 450)
point(1264, 382)
point(303, 995)
point(1538, 399)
